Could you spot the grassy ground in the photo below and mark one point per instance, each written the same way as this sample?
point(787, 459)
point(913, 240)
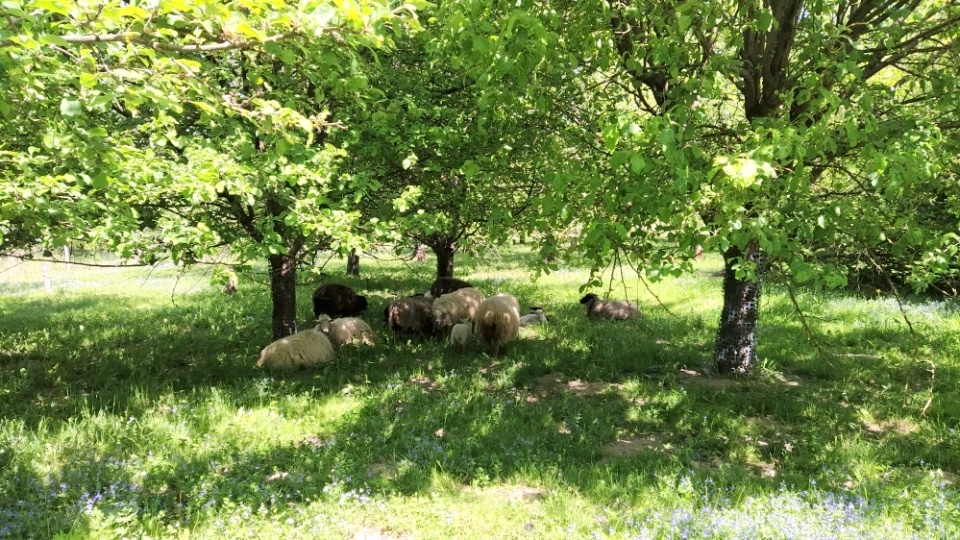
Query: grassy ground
point(131, 407)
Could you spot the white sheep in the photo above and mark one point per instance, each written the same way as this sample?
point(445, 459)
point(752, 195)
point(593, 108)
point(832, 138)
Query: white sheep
point(454, 307)
point(536, 316)
point(346, 330)
point(303, 349)
point(461, 334)
point(616, 310)
point(497, 321)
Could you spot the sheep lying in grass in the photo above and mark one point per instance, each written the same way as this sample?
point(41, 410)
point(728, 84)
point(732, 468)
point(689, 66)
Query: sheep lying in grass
point(410, 315)
point(536, 316)
point(303, 349)
point(615, 310)
point(337, 300)
point(497, 321)
point(461, 334)
point(346, 330)
point(454, 307)
point(444, 285)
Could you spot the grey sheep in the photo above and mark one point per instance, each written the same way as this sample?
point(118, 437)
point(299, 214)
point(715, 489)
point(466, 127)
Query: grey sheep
point(614, 310)
point(455, 307)
point(410, 315)
point(536, 316)
point(346, 330)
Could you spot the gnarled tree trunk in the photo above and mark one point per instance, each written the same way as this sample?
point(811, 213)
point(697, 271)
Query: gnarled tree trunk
point(283, 292)
point(444, 254)
point(353, 263)
point(736, 343)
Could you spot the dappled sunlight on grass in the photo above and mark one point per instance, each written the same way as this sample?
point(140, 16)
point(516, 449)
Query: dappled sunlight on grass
point(131, 411)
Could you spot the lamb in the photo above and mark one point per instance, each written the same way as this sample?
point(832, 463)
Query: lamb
point(456, 306)
point(410, 315)
point(303, 349)
point(497, 321)
point(337, 300)
point(461, 334)
point(536, 316)
point(346, 330)
point(615, 310)
point(444, 285)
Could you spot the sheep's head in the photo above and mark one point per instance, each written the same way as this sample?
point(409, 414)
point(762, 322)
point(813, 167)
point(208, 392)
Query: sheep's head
point(323, 323)
point(538, 311)
point(361, 302)
point(589, 299)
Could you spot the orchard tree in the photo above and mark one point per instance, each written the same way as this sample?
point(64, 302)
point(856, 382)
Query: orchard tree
point(454, 165)
point(766, 131)
point(183, 127)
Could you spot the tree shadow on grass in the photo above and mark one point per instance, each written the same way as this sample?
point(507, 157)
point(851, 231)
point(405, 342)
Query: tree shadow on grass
point(631, 404)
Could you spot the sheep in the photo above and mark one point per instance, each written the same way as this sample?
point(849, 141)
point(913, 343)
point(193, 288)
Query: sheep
point(616, 310)
point(337, 300)
point(458, 305)
point(231, 285)
point(497, 321)
point(444, 285)
point(536, 316)
point(461, 334)
point(303, 349)
point(411, 315)
point(346, 330)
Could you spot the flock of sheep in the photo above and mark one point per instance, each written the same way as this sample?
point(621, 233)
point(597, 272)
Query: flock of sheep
point(451, 307)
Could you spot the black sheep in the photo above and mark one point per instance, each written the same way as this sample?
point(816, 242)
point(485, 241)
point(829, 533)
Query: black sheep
point(337, 300)
point(444, 285)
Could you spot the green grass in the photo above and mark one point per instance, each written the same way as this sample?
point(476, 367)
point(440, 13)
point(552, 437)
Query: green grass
point(131, 407)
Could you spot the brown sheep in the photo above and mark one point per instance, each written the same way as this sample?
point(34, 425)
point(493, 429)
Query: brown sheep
point(497, 321)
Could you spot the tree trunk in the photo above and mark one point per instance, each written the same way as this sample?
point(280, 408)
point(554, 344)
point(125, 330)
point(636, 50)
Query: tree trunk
point(444, 259)
point(283, 291)
point(736, 344)
point(353, 263)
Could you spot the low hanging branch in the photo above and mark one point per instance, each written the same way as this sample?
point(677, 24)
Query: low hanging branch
point(806, 327)
point(913, 334)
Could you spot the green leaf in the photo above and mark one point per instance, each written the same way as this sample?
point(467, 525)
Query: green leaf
point(637, 163)
point(99, 181)
point(611, 137)
point(55, 6)
point(70, 107)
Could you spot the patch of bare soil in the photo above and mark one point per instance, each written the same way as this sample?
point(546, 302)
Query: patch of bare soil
point(424, 383)
point(715, 383)
point(378, 533)
point(900, 426)
point(512, 493)
point(555, 383)
point(631, 447)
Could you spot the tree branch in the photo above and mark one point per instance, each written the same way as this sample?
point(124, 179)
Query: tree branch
point(139, 39)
